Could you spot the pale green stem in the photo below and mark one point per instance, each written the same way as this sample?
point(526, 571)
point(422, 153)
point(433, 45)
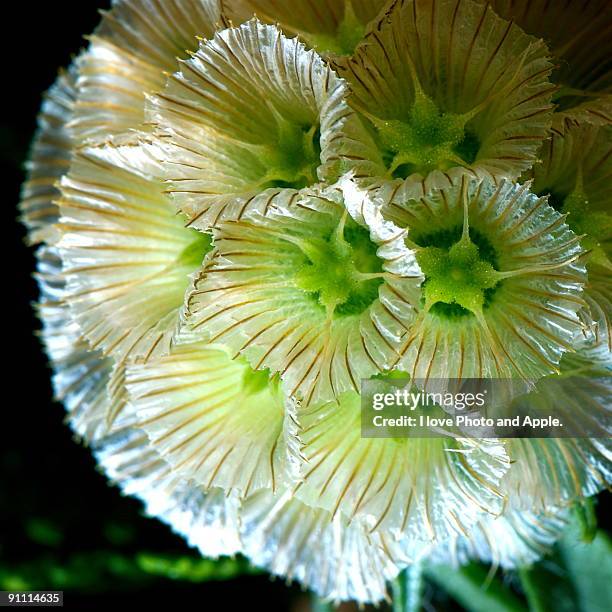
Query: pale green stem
point(532, 593)
point(407, 589)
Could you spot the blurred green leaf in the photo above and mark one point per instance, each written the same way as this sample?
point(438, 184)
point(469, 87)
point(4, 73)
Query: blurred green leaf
point(95, 571)
point(472, 587)
point(43, 531)
point(576, 577)
point(589, 566)
point(193, 569)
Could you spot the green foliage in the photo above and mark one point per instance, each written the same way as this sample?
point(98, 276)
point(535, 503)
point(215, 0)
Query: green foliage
point(193, 570)
point(470, 586)
point(94, 571)
point(575, 577)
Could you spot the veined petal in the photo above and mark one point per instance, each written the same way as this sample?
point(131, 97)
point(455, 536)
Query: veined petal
point(426, 489)
point(578, 35)
point(81, 377)
point(215, 421)
point(136, 42)
point(127, 256)
point(49, 160)
point(252, 111)
point(575, 174)
point(208, 520)
point(502, 282)
point(449, 88)
point(576, 162)
point(308, 292)
point(336, 559)
point(84, 381)
point(515, 539)
point(549, 472)
point(330, 27)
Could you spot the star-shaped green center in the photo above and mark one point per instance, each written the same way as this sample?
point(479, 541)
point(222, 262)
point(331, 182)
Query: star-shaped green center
point(456, 276)
point(342, 270)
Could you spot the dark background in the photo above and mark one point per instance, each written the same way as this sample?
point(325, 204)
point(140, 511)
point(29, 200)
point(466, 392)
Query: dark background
point(61, 525)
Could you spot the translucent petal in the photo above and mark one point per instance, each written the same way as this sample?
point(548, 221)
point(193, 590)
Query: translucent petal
point(336, 559)
point(85, 381)
point(49, 159)
point(214, 420)
point(127, 256)
point(423, 488)
point(249, 297)
point(575, 173)
point(549, 472)
point(134, 44)
point(458, 90)
point(250, 112)
point(81, 377)
point(330, 27)
point(515, 539)
point(578, 35)
point(208, 520)
point(529, 318)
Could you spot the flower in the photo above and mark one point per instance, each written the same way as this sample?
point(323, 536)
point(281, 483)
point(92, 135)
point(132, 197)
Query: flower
point(49, 160)
point(251, 113)
point(421, 490)
point(126, 256)
point(308, 291)
point(502, 281)
point(448, 88)
point(128, 57)
point(231, 242)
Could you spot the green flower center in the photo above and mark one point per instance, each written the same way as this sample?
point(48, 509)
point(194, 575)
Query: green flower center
point(426, 140)
point(459, 279)
point(292, 161)
point(342, 270)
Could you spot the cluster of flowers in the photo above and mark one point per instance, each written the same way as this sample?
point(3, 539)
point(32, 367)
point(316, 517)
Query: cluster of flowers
point(363, 188)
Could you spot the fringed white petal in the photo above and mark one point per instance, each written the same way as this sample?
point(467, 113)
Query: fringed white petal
point(134, 45)
point(575, 175)
point(335, 559)
point(549, 472)
point(81, 377)
point(252, 111)
point(208, 520)
point(426, 489)
point(213, 420)
point(49, 160)
point(516, 539)
point(127, 256)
